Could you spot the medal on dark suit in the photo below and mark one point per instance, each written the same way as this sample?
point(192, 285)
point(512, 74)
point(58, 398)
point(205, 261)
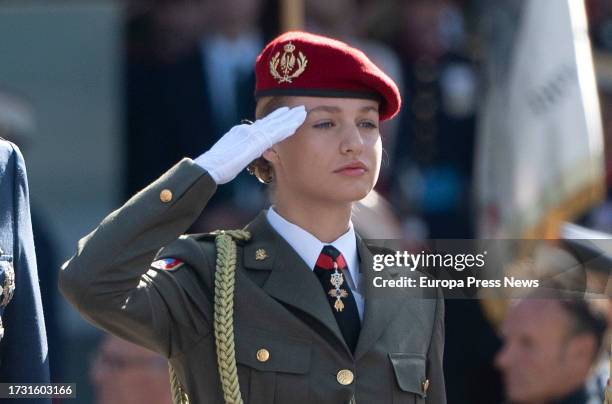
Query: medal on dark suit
point(337, 279)
point(328, 269)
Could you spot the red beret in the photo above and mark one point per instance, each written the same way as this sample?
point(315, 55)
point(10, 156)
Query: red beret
point(304, 64)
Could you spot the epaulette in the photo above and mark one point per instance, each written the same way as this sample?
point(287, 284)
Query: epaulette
point(239, 236)
point(200, 236)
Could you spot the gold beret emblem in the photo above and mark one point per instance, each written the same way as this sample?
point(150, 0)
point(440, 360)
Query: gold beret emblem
point(287, 62)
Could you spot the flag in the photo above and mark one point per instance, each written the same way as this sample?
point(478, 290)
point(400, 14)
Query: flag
point(540, 157)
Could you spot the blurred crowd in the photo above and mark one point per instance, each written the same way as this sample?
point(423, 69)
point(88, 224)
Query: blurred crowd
point(188, 77)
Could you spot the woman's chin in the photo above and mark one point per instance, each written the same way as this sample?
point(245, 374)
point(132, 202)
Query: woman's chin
point(354, 194)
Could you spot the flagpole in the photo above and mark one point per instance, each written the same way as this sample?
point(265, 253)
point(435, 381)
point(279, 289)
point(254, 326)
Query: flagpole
point(291, 15)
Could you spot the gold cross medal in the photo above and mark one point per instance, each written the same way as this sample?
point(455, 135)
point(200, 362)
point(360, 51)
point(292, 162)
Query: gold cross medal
point(337, 280)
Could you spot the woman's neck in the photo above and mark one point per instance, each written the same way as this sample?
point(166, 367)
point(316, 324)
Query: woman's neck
point(325, 221)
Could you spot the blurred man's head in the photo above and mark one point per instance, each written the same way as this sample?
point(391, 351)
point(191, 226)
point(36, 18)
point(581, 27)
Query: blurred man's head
point(335, 18)
point(235, 17)
point(127, 373)
point(550, 346)
point(429, 28)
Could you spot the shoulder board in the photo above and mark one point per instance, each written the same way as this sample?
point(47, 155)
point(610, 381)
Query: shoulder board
point(238, 235)
point(167, 264)
point(203, 236)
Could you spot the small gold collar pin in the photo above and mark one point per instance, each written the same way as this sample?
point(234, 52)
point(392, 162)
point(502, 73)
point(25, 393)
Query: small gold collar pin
point(261, 254)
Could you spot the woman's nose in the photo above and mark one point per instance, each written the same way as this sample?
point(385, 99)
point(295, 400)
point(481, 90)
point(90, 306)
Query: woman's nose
point(352, 141)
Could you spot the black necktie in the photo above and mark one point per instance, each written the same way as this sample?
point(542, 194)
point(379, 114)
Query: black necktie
point(328, 269)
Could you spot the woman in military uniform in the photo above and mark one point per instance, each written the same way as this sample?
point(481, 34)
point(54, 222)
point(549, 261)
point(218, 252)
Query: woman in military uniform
point(282, 311)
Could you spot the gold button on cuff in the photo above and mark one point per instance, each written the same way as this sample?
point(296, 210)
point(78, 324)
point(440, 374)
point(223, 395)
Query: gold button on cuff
point(263, 355)
point(165, 196)
point(425, 385)
point(345, 377)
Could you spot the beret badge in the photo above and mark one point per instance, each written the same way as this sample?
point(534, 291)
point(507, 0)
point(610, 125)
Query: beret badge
point(287, 62)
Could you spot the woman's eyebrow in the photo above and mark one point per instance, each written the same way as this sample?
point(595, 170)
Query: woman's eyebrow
point(335, 110)
point(369, 108)
point(326, 108)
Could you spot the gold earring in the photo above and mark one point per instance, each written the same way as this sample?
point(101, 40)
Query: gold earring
point(263, 175)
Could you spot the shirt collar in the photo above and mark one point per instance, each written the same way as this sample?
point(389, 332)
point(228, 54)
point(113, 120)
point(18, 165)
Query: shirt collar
point(309, 247)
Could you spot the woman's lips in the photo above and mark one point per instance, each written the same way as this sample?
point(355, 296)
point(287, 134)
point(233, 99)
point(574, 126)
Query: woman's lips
point(352, 172)
point(354, 169)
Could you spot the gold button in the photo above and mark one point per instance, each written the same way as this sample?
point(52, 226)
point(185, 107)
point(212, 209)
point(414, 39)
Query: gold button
point(345, 377)
point(165, 195)
point(425, 385)
point(263, 355)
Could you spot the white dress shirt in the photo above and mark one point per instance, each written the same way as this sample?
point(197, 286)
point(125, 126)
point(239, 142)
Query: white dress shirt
point(309, 248)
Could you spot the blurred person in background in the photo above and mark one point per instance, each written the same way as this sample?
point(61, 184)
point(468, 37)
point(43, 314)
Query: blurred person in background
point(600, 23)
point(23, 340)
point(600, 217)
point(189, 76)
point(432, 165)
point(18, 125)
point(123, 372)
point(551, 350)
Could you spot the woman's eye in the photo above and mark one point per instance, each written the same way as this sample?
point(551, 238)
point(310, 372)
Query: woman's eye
point(324, 125)
point(368, 124)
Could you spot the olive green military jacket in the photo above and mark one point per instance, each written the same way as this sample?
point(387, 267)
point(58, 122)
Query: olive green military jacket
point(279, 306)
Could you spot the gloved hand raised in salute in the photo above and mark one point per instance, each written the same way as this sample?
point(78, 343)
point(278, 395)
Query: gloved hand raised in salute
point(246, 142)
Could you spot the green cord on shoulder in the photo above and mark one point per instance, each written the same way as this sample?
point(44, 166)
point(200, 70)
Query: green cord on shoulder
point(225, 241)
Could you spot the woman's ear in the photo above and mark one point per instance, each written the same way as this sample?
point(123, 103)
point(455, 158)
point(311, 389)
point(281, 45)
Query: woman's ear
point(270, 155)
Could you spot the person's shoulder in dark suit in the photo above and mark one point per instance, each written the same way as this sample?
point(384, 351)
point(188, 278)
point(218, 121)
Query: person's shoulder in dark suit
point(23, 346)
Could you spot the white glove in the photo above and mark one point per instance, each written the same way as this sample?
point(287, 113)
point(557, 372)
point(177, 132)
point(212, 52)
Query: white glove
point(244, 143)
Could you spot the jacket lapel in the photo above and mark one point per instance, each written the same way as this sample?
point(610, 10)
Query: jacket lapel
point(380, 309)
point(290, 280)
